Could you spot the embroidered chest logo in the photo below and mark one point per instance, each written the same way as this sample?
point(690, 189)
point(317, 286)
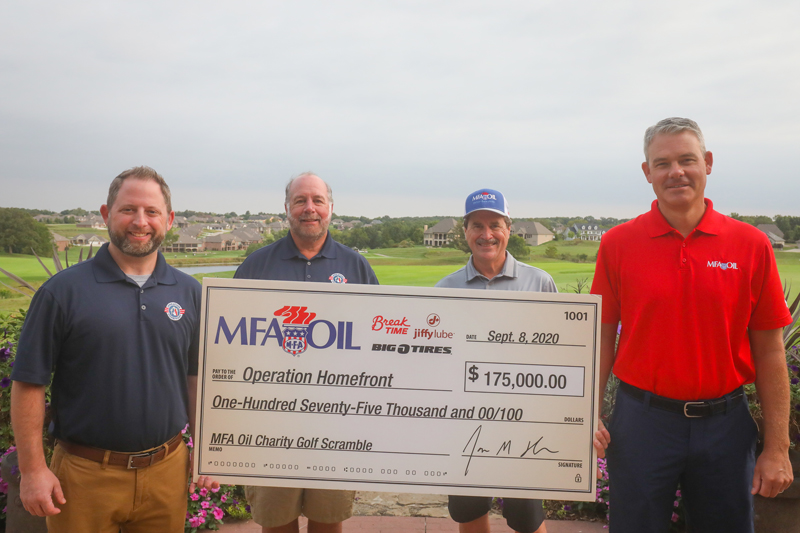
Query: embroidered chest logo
point(722, 265)
point(174, 311)
point(337, 278)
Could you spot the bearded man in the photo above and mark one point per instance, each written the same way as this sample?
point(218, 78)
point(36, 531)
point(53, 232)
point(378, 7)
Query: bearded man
point(119, 335)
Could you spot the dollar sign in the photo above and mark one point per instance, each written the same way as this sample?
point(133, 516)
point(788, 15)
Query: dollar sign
point(473, 372)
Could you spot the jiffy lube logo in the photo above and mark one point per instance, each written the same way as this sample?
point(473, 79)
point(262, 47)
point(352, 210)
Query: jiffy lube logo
point(297, 332)
point(722, 265)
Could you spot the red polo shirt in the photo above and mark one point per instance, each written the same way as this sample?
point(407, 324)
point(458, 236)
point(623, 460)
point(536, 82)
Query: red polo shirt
point(685, 304)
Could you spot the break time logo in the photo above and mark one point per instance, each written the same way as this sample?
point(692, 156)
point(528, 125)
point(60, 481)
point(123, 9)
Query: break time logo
point(297, 332)
point(400, 326)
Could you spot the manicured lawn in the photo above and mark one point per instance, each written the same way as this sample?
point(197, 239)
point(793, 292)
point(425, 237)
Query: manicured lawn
point(418, 266)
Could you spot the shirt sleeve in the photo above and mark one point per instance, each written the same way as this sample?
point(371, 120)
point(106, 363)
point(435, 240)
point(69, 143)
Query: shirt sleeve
point(40, 340)
point(603, 284)
point(194, 346)
point(769, 309)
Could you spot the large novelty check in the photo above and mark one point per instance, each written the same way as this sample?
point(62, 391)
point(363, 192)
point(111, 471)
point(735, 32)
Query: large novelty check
point(405, 389)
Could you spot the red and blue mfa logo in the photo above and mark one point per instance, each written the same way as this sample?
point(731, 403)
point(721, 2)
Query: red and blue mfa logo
point(174, 311)
point(295, 328)
point(337, 278)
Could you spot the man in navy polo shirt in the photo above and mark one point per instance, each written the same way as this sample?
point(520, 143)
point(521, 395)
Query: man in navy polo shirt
point(702, 313)
point(119, 334)
point(308, 253)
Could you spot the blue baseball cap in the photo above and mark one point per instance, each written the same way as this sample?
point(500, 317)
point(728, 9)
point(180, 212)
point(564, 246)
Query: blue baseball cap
point(487, 200)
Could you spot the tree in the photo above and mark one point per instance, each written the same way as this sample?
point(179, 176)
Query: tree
point(19, 232)
point(517, 247)
point(551, 251)
point(170, 238)
point(459, 241)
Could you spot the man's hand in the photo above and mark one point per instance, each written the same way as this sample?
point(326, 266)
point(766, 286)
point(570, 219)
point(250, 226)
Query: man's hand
point(38, 489)
point(203, 482)
point(773, 474)
point(602, 438)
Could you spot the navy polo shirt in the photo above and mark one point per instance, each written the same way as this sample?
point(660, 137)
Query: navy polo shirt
point(118, 354)
point(281, 260)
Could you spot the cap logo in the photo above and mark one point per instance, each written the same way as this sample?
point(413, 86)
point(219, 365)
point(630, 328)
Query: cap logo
point(484, 196)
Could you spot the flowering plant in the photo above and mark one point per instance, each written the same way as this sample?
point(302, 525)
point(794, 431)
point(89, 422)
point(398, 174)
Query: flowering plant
point(206, 508)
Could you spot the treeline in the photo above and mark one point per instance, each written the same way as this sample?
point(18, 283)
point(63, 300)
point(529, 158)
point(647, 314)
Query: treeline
point(389, 234)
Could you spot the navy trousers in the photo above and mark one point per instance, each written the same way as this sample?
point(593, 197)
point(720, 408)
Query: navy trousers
point(653, 450)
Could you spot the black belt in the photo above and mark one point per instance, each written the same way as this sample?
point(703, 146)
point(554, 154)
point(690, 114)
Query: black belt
point(695, 409)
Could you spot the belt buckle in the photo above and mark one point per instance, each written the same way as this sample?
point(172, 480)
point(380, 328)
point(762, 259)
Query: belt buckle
point(686, 413)
point(150, 454)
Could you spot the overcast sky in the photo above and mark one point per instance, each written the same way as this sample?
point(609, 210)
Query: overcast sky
point(403, 107)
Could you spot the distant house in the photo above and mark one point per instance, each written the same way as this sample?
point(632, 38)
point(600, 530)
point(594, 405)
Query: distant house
point(88, 239)
point(49, 219)
point(771, 228)
point(248, 236)
point(440, 234)
point(534, 233)
point(224, 242)
point(587, 232)
point(180, 222)
point(92, 221)
point(185, 244)
point(61, 242)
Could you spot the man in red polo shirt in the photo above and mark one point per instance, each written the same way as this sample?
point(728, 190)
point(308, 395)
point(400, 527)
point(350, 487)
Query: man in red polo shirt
point(701, 310)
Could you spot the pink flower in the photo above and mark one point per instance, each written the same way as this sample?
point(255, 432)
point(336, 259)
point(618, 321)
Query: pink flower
point(203, 492)
point(675, 504)
point(675, 517)
point(203, 512)
point(195, 497)
point(678, 493)
point(205, 505)
point(218, 513)
point(223, 498)
point(190, 444)
point(196, 521)
point(215, 490)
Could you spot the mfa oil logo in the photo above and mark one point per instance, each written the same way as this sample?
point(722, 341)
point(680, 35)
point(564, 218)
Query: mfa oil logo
point(299, 331)
point(722, 265)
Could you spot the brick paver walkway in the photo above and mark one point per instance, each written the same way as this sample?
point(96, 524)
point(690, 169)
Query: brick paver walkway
point(413, 524)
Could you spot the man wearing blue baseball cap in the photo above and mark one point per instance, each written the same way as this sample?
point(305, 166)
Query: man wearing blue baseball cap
point(487, 228)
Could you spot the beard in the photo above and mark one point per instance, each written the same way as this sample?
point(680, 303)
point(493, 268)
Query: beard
point(120, 240)
point(311, 234)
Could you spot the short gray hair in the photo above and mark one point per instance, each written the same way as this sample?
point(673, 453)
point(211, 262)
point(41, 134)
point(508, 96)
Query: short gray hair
point(303, 175)
point(142, 173)
point(673, 126)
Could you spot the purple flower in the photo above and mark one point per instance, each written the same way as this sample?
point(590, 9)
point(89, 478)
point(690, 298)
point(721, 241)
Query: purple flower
point(14, 470)
point(247, 508)
point(567, 507)
point(794, 368)
point(795, 381)
point(5, 382)
point(619, 329)
point(5, 353)
point(797, 407)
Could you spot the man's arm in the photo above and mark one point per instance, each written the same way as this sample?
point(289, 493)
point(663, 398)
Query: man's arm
point(38, 485)
point(773, 472)
point(608, 346)
point(203, 482)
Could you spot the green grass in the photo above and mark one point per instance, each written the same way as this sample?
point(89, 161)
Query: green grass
point(418, 266)
point(71, 230)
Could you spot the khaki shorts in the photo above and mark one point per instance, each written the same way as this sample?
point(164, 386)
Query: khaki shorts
point(277, 506)
point(103, 500)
